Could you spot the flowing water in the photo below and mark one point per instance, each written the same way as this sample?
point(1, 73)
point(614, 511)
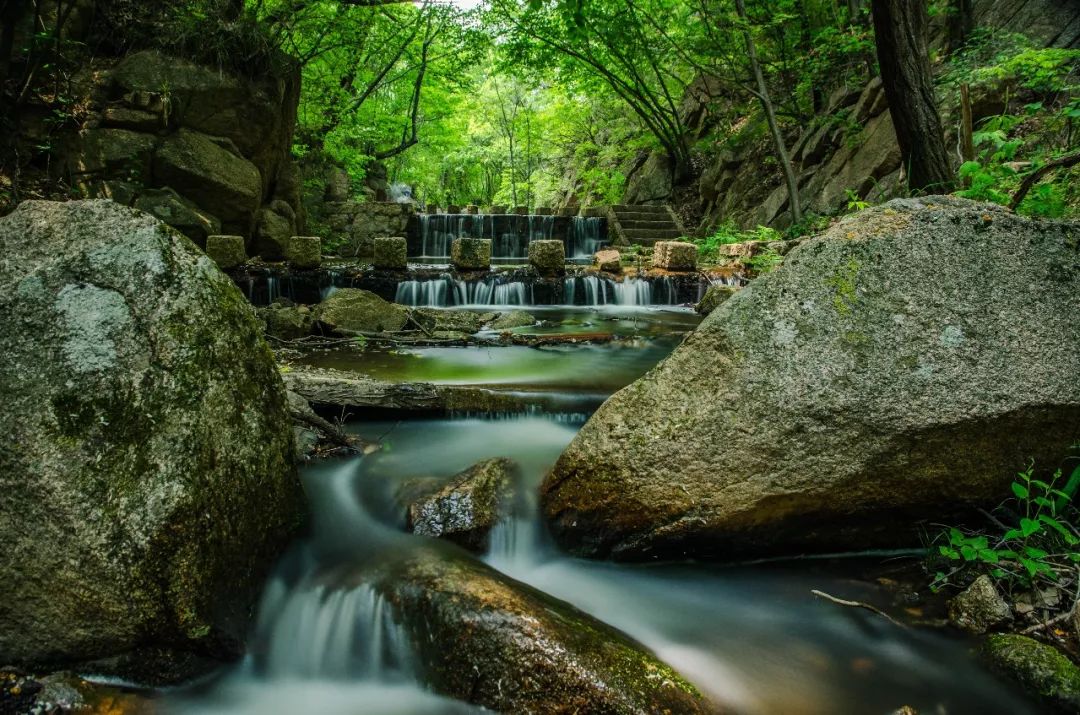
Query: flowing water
point(751, 636)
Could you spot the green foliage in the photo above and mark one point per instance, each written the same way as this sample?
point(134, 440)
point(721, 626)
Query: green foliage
point(764, 262)
point(727, 233)
point(1034, 540)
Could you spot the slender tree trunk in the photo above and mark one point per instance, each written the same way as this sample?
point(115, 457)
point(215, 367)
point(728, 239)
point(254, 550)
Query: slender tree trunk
point(770, 117)
point(960, 24)
point(900, 27)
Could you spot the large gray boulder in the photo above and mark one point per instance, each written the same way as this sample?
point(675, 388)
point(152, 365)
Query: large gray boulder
point(146, 460)
point(902, 366)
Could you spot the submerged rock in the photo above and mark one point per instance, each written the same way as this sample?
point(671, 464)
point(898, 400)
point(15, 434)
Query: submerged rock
point(513, 319)
point(487, 639)
point(465, 509)
point(979, 607)
point(459, 321)
point(146, 462)
point(1041, 669)
point(887, 372)
point(361, 311)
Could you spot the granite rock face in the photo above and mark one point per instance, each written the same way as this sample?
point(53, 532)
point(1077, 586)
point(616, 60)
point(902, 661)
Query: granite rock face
point(902, 366)
point(147, 460)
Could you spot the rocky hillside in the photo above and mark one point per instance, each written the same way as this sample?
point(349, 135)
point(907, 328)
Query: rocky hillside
point(849, 147)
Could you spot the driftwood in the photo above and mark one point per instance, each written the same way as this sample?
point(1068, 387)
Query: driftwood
point(857, 604)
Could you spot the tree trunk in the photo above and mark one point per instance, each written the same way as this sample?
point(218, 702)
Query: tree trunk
point(960, 24)
point(770, 117)
point(900, 27)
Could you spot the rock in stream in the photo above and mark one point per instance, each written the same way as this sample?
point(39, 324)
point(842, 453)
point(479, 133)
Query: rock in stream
point(146, 461)
point(902, 366)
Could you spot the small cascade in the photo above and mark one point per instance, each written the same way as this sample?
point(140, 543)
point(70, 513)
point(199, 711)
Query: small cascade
point(490, 293)
point(447, 291)
point(598, 290)
point(583, 240)
point(337, 633)
point(432, 293)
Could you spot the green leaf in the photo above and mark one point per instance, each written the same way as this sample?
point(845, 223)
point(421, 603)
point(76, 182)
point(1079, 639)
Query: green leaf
point(1020, 490)
point(1032, 567)
point(1035, 553)
point(1029, 527)
point(968, 552)
point(1011, 534)
point(989, 556)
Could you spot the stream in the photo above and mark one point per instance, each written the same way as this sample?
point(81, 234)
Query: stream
point(751, 636)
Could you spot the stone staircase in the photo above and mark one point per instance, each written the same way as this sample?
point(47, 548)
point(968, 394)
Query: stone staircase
point(643, 224)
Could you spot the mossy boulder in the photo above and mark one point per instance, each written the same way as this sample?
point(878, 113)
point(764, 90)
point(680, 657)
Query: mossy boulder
point(886, 373)
point(492, 641)
point(287, 322)
point(513, 319)
point(146, 462)
point(716, 294)
point(464, 509)
point(181, 214)
point(356, 310)
point(459, 321)
point(1040, 669)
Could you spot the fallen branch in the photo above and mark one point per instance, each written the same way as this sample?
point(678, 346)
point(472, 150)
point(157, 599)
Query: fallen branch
point(1033, 178)
point(858, 604)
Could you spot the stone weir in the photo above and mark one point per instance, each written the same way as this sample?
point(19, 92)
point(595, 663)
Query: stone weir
point(442, 287)
point(430, 235)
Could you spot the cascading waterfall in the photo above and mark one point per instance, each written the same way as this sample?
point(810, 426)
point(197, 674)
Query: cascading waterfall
point(597, 290)
point(584, 237)
point(337, 633)
point(447, 291)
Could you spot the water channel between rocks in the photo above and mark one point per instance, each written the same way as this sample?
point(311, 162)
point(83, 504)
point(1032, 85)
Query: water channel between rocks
point(752, 637)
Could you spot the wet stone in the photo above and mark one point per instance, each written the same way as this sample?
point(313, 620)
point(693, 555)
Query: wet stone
point(675, 256)
point(227, 251)
point(547, 257)
point(467, 508)
point(391, 253)
point(608, 260)
point(305, 251)
point(979, 607)
point(471, 253)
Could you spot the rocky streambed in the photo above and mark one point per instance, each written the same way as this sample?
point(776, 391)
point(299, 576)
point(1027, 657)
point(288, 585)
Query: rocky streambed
point(433, 575)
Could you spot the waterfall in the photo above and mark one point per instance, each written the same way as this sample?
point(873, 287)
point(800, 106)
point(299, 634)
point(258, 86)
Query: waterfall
point(432, 293)
point(447, 291)
point(583, 239)
point(633, 291)
point(337, 633)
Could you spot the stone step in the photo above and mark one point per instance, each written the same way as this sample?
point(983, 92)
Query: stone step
point(637, 234)
point(644, 223)
point(642, 208)
point(641, 216)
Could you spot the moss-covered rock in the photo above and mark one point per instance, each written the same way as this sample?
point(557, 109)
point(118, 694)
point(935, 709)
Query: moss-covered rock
point(882, 375)
point(714, 297)
point(487, 639)
point(513, 319)
point(305, 251)
point(461, 321)
point(547, 257)
point(979, 607)
point(226, 251)
point(356, 310)
point(391, 253)
point(471, 253)
point(287, 322)
point(1040, 669)
point(146, 462)
point(464, 509)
